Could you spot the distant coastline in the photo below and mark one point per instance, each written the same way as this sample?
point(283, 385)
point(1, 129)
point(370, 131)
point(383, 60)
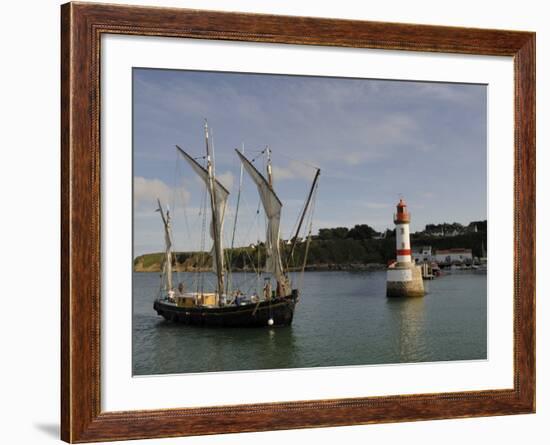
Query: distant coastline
point(350, 267)
point(338, 249)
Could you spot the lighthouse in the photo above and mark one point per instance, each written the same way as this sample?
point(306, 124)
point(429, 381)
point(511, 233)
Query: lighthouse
point(404, 278)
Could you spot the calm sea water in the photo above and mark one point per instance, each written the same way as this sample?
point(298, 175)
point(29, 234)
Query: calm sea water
point(343, 318)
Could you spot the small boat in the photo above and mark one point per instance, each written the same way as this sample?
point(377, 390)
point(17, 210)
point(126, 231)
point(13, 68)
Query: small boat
point(483, 260)
point(275, 304)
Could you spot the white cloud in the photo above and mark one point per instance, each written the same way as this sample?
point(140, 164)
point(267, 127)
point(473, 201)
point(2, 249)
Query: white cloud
point(293, 170)
point(227, 179)
point(368, 136)
point(187, 97)
point(311, 115)
point(447, 93)
point(147, 191)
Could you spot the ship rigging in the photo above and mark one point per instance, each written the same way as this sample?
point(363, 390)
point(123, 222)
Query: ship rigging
point(273, 305)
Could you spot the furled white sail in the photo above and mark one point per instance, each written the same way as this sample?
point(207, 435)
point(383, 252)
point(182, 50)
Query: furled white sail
point(167, 267)
point(272, 206)
point(221, 195)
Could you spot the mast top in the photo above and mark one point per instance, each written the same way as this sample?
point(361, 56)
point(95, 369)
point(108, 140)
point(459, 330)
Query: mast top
point(269, 169)
point(207, 141)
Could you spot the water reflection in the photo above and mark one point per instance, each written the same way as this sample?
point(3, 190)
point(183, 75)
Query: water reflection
point(342, 319)
point(173, 347)
point(408, 317)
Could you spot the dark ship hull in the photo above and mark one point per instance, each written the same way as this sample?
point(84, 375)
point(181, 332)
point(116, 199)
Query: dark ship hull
point(280, 310)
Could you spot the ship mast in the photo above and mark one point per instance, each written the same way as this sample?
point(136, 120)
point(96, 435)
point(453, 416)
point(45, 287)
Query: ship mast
point(306, 206)
point(272, 206)
point(167, 269)
point(268, 167)
point(218, 257)
point(218, 201)
point(230, 278)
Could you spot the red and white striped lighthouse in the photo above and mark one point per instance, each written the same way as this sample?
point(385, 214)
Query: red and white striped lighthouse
point(404, 278)
point(403, 243)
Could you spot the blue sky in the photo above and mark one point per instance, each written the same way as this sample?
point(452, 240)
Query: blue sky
point(372, 139)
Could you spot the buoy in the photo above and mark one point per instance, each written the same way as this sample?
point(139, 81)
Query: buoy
point(270, 322)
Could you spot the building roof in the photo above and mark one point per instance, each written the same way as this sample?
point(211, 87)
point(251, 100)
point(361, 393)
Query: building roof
point(451, 251)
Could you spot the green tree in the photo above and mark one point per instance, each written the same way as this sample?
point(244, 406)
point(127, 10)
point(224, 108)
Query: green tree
point(362, 231)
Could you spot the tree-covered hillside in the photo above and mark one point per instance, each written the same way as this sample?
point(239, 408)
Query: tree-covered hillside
point(337, 248)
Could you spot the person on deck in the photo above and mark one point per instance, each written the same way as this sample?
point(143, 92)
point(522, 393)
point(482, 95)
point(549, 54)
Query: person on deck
point(171, 295)
point(267, 290)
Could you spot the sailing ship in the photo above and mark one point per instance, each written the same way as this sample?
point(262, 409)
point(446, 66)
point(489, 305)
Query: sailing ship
point(274, 305)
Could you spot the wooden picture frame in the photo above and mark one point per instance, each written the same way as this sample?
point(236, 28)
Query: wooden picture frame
point(82, 26)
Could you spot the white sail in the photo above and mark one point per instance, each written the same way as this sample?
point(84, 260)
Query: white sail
point(167, 267)
point(221, 195)
point(272, 207)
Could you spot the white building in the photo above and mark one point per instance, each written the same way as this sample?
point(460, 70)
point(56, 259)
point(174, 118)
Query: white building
point(453, 256)
point(424, 254)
